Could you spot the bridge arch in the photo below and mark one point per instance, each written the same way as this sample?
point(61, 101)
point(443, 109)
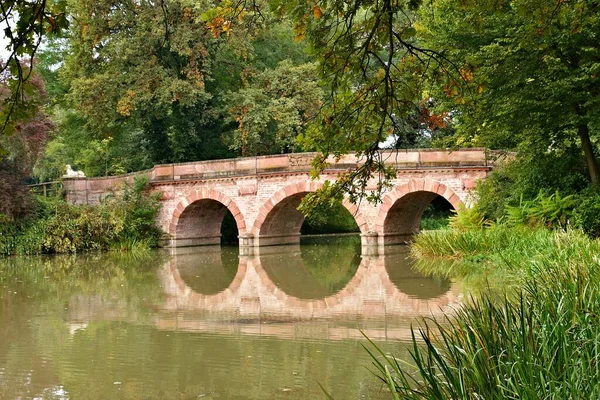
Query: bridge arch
point(279, 221)
point(400, 213)
point(197, 218)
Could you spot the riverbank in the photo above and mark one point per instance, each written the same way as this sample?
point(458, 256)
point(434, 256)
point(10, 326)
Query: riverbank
point(542, 341)
point(122, 222)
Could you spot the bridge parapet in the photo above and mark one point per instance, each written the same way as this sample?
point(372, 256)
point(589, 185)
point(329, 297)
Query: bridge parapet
point(273, 164)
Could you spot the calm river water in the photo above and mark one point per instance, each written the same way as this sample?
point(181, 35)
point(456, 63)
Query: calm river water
point(209, 322)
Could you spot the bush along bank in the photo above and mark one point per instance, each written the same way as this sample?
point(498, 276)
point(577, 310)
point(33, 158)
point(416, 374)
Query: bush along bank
point(121, 222)
point(542, 342)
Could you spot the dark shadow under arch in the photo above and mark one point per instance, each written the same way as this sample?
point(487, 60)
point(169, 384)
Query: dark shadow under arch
point(201, 222)
point(403, 220)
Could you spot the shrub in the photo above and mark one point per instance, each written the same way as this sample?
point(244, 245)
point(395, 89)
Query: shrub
point(15, 200)
point(522, 178)
point(553, 211)
point(586, 214)
point(467, 219)
point(122, 222)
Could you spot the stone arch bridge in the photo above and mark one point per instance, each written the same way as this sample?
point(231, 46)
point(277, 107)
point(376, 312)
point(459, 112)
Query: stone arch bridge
point(262, 194)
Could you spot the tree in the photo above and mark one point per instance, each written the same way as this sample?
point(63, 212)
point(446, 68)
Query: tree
point(24, 23)
point(375, 72)
point(273, 108)
point(29, 127)
point(23, 147)
point(534, 66)
point(138, 66)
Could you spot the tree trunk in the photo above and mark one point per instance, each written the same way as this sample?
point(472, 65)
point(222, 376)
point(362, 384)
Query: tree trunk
point(584, 135)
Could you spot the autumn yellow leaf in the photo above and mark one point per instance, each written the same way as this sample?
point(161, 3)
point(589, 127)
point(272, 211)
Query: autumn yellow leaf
point(317, 13)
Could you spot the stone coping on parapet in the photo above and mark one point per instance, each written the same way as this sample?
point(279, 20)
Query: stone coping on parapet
point(299, 163)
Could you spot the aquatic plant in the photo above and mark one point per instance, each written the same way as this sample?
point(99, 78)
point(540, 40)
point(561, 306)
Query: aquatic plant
point(542, 343)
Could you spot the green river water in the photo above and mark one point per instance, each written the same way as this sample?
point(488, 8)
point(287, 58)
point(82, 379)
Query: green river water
point(209, 323)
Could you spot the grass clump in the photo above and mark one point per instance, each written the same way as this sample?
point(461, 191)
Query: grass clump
point(542, 342)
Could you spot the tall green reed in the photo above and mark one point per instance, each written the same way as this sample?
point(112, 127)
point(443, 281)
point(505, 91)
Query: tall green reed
point(542, 343)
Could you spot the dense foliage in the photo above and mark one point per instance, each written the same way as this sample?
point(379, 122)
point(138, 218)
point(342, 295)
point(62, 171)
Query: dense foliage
point(498, 203)
point(123, 222)
point(130, 94)
point(531, 73)
point(273, 108)
point(24, 25)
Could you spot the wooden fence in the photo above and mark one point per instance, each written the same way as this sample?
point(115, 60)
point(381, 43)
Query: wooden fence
point(47, 189)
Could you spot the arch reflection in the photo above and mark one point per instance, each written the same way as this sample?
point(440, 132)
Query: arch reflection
point(401, 273)
point(208, 270)
point(318, 269)
point(279, 283)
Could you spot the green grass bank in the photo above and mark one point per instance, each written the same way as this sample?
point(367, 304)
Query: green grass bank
point(542, 340)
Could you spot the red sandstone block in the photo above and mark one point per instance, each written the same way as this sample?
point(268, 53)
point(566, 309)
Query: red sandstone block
point(468, 184)
point(247, 190)
point(161, 171)
point(434, 187)
point(389, 200)
point(166, 196)
point(441, 189)
point(226, 201)
point(291, 190)
point(385, 207)
point(273, 162)
point(428, 185)
point(399, 193)
point(213, 194)
point(262, 215)
point(241, 225)
point(245, 165)
point(420, 184)
point(80, 184)
point(448, 193)
point(269, 204)
point(455, 201)
point(412, 186)
point(279, 196)
point(433, 156)
point(234, 209)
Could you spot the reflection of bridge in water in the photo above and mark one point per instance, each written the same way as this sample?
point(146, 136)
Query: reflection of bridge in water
point(274, 287)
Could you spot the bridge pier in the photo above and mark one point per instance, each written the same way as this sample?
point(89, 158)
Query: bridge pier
point(387, 239)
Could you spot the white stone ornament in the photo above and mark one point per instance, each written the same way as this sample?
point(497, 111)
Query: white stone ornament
point(73, 174)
